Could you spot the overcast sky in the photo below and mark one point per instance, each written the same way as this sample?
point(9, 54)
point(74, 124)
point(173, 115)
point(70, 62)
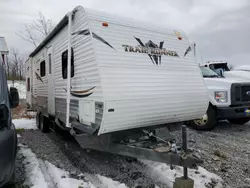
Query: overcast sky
point(220, 28)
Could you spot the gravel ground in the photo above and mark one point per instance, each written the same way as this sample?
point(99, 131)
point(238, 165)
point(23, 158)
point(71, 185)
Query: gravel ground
point(225, 151)
point(64, 152)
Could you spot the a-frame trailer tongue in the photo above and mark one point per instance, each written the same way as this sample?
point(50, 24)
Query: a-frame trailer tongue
point(148, 146)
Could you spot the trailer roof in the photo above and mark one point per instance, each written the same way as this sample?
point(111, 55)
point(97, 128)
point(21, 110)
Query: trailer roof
point(3, 45)
point(64, 22)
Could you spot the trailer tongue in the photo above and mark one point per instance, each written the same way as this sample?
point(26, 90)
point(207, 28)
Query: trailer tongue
point(146, 146)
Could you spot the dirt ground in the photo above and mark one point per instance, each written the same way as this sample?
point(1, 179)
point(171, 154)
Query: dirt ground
point(20, 111)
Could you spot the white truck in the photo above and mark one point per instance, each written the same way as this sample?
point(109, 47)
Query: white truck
point(229, 100)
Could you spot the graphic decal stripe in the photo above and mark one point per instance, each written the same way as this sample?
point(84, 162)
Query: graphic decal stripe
point(139, 40)
point(87, 32)
point(161, 46)
point(83, 91)
point(82, 32)
point(39, 77)
point(187, 51)
point(81, 96)
point(101, 39)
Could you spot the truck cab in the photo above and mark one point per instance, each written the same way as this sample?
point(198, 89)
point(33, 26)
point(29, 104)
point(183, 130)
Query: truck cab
point(8, 139)
point(229, 100)
point(222, 68)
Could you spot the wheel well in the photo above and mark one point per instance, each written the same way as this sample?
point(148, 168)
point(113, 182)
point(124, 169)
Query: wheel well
point(214, 107)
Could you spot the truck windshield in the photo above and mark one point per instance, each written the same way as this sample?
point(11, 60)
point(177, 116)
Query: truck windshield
point(208, 73)
point(222, 66)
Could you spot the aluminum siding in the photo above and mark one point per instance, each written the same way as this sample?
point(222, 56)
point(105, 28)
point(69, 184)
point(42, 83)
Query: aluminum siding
point(86, 73)
point(140, 92)
point(39, 87)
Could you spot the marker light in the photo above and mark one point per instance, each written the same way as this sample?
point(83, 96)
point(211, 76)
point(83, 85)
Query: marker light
point(105, 24)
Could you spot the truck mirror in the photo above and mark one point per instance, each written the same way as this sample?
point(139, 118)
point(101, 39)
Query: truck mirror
point(14, 97)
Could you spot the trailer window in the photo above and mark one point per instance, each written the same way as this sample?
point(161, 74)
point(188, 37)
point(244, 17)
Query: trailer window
point(42, 69)
point(49, 63)
point(65, 63)
point(28, 84)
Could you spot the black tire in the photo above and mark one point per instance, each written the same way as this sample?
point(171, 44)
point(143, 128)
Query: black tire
point(12, 180)
point(44, 123)
point(240, 121)
point(38, 120)
point(209, 123)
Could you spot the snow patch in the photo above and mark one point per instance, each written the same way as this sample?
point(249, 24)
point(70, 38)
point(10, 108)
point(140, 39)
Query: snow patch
point(25, 123)
point(163, 173)
point(21, 87)
point(35, 177)
point(40, 174)
point(109, 183)
point(63, 180)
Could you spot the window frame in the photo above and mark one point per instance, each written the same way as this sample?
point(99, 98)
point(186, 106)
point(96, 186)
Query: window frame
point(64, 61)
point(50, 63)
point(43, 68)
point(28, 84)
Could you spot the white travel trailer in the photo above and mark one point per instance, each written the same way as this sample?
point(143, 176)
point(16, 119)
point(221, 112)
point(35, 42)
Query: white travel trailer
point(125, 77)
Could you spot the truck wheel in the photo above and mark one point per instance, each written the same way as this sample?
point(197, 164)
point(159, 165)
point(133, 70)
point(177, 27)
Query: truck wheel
point(207, 122)
point(44, 123)
point(12, 180)
point(240, 121)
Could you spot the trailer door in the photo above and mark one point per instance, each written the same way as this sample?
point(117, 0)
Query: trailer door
point(28, 82)
point(51, 86)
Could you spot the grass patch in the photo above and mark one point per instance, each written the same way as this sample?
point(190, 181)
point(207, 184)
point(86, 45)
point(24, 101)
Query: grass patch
point(18, 131)
point(27, 116)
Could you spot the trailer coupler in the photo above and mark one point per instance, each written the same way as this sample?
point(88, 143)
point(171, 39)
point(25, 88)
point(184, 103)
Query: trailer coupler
point(156, 150)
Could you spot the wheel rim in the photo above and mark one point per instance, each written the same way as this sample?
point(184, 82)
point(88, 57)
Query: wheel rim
point(203, 121)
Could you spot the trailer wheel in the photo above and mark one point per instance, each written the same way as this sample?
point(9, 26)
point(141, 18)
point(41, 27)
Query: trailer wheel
point(207, 122)
point(44, 123)
point(240, 121)
point(38, 120)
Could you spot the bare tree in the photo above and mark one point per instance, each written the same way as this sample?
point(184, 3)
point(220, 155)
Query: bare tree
point(20, 69)
point(28, 35)
point(37, 30)
point(42, 25)
point(8, 64)
point(17, 64)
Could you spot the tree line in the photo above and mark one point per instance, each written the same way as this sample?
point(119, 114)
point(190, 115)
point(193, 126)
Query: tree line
point(15, 65)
